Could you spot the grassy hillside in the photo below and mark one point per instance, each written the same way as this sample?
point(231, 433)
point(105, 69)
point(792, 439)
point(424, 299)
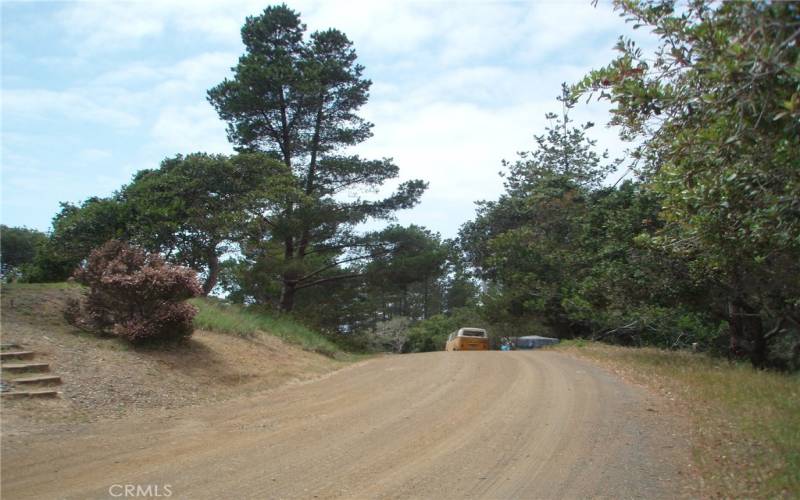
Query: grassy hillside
point(745, 423)
point(232, 353)
point(218, 316)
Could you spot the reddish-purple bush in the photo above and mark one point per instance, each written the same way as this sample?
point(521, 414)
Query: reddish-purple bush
point(134, 294)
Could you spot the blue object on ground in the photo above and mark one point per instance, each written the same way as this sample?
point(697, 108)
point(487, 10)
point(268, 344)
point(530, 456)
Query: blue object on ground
point(534, 341)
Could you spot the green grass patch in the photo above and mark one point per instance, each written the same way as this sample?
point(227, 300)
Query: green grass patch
point(34, 287)
point(745, 422)
point(218, 316)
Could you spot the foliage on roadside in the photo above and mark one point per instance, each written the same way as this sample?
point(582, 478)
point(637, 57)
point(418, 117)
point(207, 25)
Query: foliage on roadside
point(195, 208)
point(76, 231)
point(715, 114)
point(391, 335)
point(411, 272)
point(18, 247)
point(704, 247)
point(560, 255)
point(134, 295)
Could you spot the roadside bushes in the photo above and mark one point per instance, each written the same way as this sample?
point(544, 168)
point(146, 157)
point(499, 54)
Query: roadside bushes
point(135, 295)
point(431, 334)
point(391, 335)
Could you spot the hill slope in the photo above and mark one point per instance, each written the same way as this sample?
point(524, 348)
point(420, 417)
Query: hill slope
point(106, 377)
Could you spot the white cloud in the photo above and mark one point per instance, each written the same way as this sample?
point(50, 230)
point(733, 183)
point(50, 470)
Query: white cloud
point(111, 25)
point(104, 26)
point(95, 154)
point(570, 29)
point(132, 73)
point(64, 106)
point(456, 147)
point(383, 27)
point(187, 129)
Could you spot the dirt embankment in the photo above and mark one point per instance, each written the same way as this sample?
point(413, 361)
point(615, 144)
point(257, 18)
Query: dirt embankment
point(436, 425)
point(107, 378)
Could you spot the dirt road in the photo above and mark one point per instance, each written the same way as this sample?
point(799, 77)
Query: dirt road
point(437, 425)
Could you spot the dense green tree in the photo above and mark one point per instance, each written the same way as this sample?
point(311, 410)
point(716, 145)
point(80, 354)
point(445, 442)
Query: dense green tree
point(553, 177)
point(563, 255)
point(194, 209)
point(18, 247)
point(345, 308)
point(716, 114)
point(297, 98)
point(416, 256)
point(398, 271)
point(527, 241)
point(459, 288)
point(76, 231)
point(633, 292)
point(564, 151)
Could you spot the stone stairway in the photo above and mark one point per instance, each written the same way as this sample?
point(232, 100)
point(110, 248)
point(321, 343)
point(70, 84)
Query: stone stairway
point(22, 377)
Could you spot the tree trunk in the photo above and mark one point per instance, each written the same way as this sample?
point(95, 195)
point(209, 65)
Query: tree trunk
point(213, 272)
point(425, 304)
point(310, 177)
point(287, 296)
point(289, 289)
point(758, 352)
point(747, 335)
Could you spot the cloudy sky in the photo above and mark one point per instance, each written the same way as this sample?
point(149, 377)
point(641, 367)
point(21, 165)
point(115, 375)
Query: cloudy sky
point(94, 91)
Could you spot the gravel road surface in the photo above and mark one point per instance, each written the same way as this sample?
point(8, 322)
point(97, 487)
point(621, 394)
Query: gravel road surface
point(523, 424)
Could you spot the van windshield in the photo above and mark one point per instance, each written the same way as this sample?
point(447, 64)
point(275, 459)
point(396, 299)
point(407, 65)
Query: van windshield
point(473, 333)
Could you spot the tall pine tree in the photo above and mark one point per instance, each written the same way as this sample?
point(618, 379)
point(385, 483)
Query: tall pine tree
point(297, 99)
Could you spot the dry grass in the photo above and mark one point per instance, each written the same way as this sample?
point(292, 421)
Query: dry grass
point(107, 377)
point(745, 423)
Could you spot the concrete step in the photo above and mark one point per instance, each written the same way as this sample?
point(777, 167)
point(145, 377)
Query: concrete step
point(16, 354)
point(25, 367)
point(41, 379)
point(46, 393)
